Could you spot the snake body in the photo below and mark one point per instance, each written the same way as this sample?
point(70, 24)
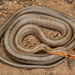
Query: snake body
point(27, 21)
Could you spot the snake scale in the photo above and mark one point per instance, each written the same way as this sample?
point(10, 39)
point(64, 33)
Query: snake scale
point(27, 21)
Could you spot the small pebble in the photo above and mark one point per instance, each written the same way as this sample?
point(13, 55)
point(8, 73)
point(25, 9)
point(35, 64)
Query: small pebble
point(1, 7)
point(2, 1)
point(15, 2)
point(59, 35)
point(55, 34)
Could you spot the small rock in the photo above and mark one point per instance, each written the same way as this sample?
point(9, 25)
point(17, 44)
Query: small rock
point(1, 7)
point(69, 1)
point(2, 1)
point(15, 2)
point(59, 35)
point(55, 34)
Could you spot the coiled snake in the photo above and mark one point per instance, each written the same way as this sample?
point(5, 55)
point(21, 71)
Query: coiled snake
point(27, 21)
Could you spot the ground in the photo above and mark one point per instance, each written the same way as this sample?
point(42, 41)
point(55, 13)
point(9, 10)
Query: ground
point(9, 8)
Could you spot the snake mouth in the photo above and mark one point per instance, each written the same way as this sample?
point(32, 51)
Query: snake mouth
point(68, 55)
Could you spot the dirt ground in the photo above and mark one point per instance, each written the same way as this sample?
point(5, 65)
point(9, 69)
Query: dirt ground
point(11, 6)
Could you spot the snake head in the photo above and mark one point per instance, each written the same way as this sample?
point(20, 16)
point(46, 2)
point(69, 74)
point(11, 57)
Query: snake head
point(66, 52)
point(71, 54)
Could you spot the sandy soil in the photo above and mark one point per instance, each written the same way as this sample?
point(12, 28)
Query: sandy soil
point(7, 9)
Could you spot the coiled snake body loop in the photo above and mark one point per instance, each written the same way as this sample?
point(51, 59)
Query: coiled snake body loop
point(27, 21)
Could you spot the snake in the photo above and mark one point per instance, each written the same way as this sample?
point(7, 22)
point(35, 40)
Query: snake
point(27, 21)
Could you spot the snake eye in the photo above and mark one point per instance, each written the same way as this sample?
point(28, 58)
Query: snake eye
point(69, 55)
